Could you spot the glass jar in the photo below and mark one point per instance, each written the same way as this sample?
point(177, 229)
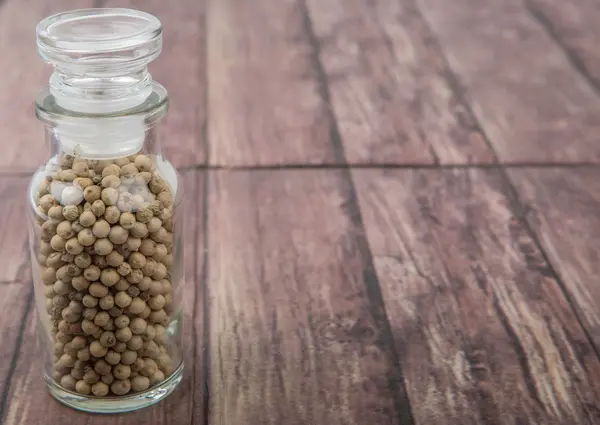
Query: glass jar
point(105, 226)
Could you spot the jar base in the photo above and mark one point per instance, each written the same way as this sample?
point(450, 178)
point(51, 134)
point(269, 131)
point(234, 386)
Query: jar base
point(116, 404)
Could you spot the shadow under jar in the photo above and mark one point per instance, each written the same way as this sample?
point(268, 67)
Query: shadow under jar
point(106, 220)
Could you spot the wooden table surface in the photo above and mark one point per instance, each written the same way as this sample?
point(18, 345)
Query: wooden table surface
point(393, 211)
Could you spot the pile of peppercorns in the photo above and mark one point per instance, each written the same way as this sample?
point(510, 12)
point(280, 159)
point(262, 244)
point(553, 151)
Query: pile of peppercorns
point(105, 253)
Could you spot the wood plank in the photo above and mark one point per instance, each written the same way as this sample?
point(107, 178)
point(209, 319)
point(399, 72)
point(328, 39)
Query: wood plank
point(28, 401)
point(264, 100)
point(484, 332)
point(562, 207)
point(181, 69)
point(15, 263)
point(533, 105)
point(294, 338)
point(24, 144)
point(390, 86)
point(14, 302)
point(575, 26)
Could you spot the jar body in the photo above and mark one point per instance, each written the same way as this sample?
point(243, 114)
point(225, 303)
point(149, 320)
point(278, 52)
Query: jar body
point(105, 239)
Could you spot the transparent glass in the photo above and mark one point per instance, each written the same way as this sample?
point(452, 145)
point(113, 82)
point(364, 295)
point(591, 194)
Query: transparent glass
point(106, 217)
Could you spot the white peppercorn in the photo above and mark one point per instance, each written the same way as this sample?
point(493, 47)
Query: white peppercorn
point(86, 237)
point(124, 269)
point(70, 212)
point(158, 316)
point(118, 235)
point(107, 302)
point(103, 246)
point(73, 246)
point(115, 311)
point(109, 277)
point(98, 350)
point(78, 342)
point(87, 219)
point(57, 243)
point(133, 244)
point(89, 327)
point(122, 285)
point(127, 220)
point(111, 169)
point(146, 313)
point(150, 367)
point(123, 299)
point(140, 383)
point(120, 387)
point(156, 288)
point(100, 389)
point(114, 259)
point(160, 272)
point(157, 302)
point(102, 318)
point(128, 357)
point(68, 382)
point(98, 290)
point(138, 326)
point(135, 342)
point(84, 354)
point(101, 367)
point(149, 334)
point(139, 230)
point(91, 376)
point(83, 260)
point(160, 252)
point(112, 214)
point(137, 260)
point(157, 378)
point(120, 347)
point(121, 321)
point(108, 339)
point(80, 283)
point(121, 371)
point(124, 334)
point(112, 357)
point(135, 276)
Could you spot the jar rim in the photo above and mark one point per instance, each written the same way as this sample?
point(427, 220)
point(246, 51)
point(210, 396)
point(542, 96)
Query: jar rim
point(97, 31)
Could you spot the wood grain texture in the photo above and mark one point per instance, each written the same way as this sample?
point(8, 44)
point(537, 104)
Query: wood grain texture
point(181, 69)
point(562, 206)
point(484, 332)
point(264, 99)
point(24, 146)
point(14, 304)
point(293, 336)
point(533, 105)
point(575, 26)
point(15, 265)
point(29, 402)
point(390, 86)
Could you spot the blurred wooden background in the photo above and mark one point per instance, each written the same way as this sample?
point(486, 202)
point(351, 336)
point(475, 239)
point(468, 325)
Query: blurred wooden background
point(392, 204)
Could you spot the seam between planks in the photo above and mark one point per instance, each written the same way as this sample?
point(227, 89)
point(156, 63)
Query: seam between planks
point(15, 357)
point(519, 208)
point(572, 57)
point(391, 166)
point(396, 380)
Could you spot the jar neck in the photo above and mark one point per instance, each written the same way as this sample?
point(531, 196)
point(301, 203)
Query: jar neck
point(101, 92)
point(103, 135)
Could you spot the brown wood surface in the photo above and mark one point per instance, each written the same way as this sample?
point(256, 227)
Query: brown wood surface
point(263, 90)
point(484, 332)
point(27, 401)
point(574, 25)
point(392, 92)
point(181, 69)
point(295, 336)
point(23, 74)
point(562, 206)
point(435, 287)
point(529, 100)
